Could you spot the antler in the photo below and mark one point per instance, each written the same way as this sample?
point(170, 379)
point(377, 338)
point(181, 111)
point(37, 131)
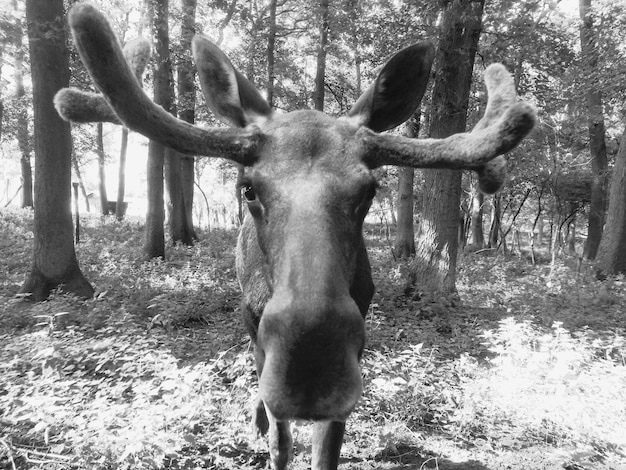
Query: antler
point(101, 53)
point(505, 123)
point(83, 106)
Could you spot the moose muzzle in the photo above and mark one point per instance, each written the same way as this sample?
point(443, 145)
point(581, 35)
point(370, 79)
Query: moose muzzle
point(310, 350)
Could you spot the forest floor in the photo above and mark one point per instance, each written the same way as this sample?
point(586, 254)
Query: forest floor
point(524, 369)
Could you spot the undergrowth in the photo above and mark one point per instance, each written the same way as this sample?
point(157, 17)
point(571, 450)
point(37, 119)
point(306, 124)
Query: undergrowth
point(527, 364)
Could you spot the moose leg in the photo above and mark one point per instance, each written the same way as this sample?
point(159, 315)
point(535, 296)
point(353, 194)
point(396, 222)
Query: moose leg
point(327, 440)
point(280, 442)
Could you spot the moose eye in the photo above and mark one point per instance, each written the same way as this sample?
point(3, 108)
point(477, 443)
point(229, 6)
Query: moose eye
point(248, 192)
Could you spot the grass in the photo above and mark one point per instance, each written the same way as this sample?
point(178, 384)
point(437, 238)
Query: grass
point(526, 371)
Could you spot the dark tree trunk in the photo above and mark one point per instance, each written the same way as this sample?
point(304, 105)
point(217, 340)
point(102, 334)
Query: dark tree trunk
point(318, 94)
point(405, 235)
point(54, 261)
point(494, 229)
point(271, 44)
point(355, 12)
point(155, 235)
point(437, 243)
point(22, 119)
point(597, 144)
point(102, 184)
point(404, 246)
point(179, 226)
point(612, 251)
point(186, 109)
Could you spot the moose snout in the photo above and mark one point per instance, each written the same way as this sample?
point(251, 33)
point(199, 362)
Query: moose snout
point(310, 351)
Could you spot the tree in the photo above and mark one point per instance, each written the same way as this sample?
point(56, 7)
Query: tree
point(22, 119)
point(437, 241)
point(186, 107)
point(612, 250)
point(404, 245)
point(54, 261)
point(476, 225)
point(595, 120)
point(271, 45)
point(102, 184)
point(318, 94)
point(155, 218)
point(179, 226)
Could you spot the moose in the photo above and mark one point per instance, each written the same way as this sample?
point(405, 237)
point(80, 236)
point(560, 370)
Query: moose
point(301, 257)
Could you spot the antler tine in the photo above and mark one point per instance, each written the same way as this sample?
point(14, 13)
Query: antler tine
point(101, 53)
point(83, 106)
point(503, 126)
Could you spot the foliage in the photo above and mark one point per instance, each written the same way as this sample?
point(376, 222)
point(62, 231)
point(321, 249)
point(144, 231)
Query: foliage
point(528, 365)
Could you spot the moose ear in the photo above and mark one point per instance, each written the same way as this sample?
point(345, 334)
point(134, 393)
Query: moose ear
point(398, 90)
point(231, 97)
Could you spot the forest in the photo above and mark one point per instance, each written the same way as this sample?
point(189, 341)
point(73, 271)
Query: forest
point(496, 334)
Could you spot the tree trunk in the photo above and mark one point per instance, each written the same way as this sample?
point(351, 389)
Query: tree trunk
point(79, 177)
point(437, 242)
point(355, 15)
point(22, 119)
point(494, 229)
point(597, 144)
point(318, 94)
point(54, 260)
point(405, 235)
point(186, 109)
point(155, 218)
point(478, 237)
point(178, 225)
point(121, 177)
point(271, 44)
point(612, 251)
point(102, 185)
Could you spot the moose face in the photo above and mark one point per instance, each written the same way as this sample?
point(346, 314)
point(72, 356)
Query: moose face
point(308, 194)
point(301, 259)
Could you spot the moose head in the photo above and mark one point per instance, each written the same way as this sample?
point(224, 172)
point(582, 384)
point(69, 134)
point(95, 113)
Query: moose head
point(301, 259)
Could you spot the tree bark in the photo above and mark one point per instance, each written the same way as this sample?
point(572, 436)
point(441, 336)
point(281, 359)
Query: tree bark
point(494, 229)
point(155, 218)
point(404, 246)
point(271, 44)
point(612, 250)
point(318, 94)
point(121, 177)
point(597, 143)
point(102, 185)
point(187, 109)
point(54, 259)
point(79, 177)
point(437, 242)
point(22, 119)
point(478, 236)
point(179, 225)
